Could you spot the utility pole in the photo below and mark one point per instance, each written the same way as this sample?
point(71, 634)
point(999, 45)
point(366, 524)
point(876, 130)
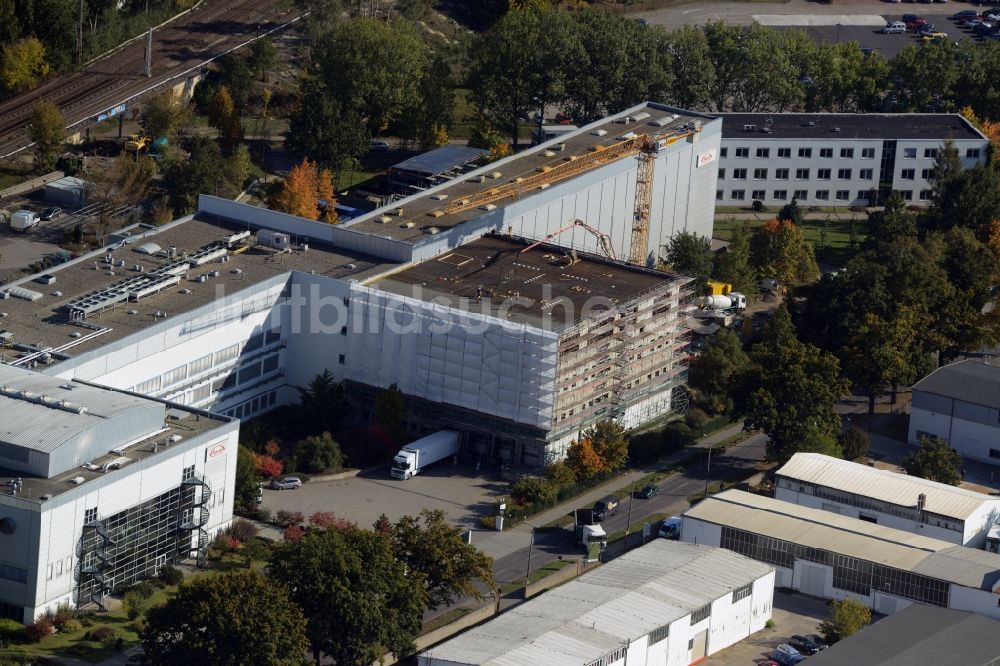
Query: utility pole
point(149, 53)
point(79, 36)
point(628, 521)
point(527, 574)
point(708, 469)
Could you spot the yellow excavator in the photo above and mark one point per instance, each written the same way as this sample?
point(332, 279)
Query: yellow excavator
point(137, 143)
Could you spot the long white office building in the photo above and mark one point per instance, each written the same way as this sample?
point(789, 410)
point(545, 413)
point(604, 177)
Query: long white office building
point(887, 498)
point(104, 489)
point(665, 604)
point(836, 557)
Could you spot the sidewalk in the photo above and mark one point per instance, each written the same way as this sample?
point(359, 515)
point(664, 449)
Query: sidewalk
point(500, 544)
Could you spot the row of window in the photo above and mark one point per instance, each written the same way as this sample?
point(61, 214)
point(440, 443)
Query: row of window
point(821, 174)
point(870, 504)
point(741, 593)
point(845, 153)
point(609, 659)
point(251, 407)
point(58, 568)
point(701, 614)
point(16, 574)
point(819, 195)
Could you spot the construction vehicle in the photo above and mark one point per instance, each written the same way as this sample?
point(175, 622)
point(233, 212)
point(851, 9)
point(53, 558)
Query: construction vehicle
point(602, 238)
point(733, 302)
point(718, 288)
point(137, 143)
point(645, 147)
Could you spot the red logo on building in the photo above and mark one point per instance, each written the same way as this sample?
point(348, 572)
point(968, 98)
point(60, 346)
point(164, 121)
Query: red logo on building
point(217, 450)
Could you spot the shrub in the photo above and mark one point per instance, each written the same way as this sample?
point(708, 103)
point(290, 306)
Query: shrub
point(854, 443)
point(171, 575)
point(769, 624)
point(41, 628)
point(132, 604)
point(143, 588)
point(488, 522)
point(138, 625)
point(104, 634)
point(242, 529)
point(319, 453)
point(560, 475)
point(293, 533)
point(531, 489)
point(61, 616)
point(223, 542)
point(677, 435)
point(71, 627)
point(286, 518)
point(696, 417)
point(255, 550)
point(10, 630)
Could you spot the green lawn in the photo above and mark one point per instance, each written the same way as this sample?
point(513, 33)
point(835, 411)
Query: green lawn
point(832, 248)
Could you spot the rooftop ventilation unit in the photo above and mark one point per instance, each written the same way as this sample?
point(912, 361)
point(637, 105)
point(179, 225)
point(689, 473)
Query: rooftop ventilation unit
point(77, 480)
point(749, 128)
point(599, 132)
point(25, 294)
point(148, 248)
point(660, 122)
point(439, 197)
point(642, 115)
point(236, 238)
point(624, 121)
point(433, 231)
point(46, 279)
point(206, 255)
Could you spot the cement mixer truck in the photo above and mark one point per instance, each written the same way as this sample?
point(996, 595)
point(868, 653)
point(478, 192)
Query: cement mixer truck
point(732, 302)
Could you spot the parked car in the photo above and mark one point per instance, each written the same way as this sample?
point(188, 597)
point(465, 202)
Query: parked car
point(913, 22)
point(786, 655)
point(805, 645)
point(648, 491)
point(933, 36)
point(670, 529)
point(818, 640)
point(378, 146)
point(51, 213)
point(926, 27)
point(607, 506)
point(895, 27)
point(287, 483)
point(965, 13)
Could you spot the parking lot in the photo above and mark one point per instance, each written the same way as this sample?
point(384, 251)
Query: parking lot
point(887, 45)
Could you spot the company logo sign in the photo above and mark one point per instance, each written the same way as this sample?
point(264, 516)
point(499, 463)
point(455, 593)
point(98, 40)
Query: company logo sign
point(217, 450)
point(706, 158)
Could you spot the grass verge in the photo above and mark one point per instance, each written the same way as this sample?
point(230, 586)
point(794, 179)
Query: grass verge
point(444, 618)
point(536, 575)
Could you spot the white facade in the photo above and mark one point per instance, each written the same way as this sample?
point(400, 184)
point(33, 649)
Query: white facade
point(680, 605)
point(974, 439)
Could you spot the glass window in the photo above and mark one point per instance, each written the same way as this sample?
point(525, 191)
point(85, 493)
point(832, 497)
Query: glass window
point(201, 393)
point(149, 386)
point(271, 363)
point(254, 342)
point(741, 593)
point(700, 614)
point(718, 195)
point(930, 152)
point(200, 365)
point(843, 174)
point(910, 153)
point(823, 195)
point(781, 174)
point(740, 174)
point(757, 194)
point(843, 195)
point(742, 152)
point(340, 359)
point(739, 195)
point(658, 634)
point(867, 153)
point(907, 195)
point(801, 194)
point(926, 195)
point(823, 174)
point(723, 152)
point(867, 174)
point(763, 152)
point(864, 194)
point(826, 152)
point(722, 176)
point(805, 152)
point(175, 375)
point(784, 152)
point(802, 174)
point(271, 336)
point(249, 373)
point(781, 195)
point(972, 153)
point(907, 174)
point(847, 153)
point(227, 354)
point(760, 174)
point(927, 174)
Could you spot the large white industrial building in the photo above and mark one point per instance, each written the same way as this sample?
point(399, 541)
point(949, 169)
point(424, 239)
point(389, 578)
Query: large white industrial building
point(105, 488)
point(836, 557)
point(664, 604)
point(887, 498)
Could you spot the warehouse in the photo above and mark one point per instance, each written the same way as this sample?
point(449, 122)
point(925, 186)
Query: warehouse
point(960, 403)
point(666, 603)
point(102, 488)
point(836, 557)
point(837, 159)
point(887, 498)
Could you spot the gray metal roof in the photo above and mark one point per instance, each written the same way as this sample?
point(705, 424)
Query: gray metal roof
point(42, 413)
point(884, 485)
point(969, 381)
point(440, 160)
point(919, 635)
point(849, 536)
point(842, 126)
point(605, 609)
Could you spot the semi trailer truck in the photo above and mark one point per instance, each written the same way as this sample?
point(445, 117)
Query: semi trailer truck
point(414, 457)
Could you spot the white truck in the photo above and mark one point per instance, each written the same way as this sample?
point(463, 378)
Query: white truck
point(590, 535)
point(733, 301)
point(23, 220)
point(414, 457)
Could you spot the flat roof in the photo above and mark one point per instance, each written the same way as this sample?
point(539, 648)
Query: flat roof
point(494, 275)
point(44, 322)
point(181, 421)
point(919, 635)
point(917, 126)
point(828, 531)
point(417, 219)
point(971, 381)
point(606, 608)
point(440, 160)
point(884, 485)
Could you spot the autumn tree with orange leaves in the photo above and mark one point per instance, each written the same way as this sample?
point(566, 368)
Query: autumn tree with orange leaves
point(224, 117)
point(779, 250)
point(583, 459)
point(302, 191)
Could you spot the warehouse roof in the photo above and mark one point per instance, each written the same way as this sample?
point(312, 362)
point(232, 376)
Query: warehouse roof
point(884, 485)
point(849, 536)
point(545, 285)
point(969, 381)
point(605, 609)
point(41, 413)
point(842, 126)
point(919, 635)
point(440, 160)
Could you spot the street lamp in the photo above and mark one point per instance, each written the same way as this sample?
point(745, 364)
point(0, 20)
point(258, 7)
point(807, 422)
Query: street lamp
point(628, 520)
point(708, 468)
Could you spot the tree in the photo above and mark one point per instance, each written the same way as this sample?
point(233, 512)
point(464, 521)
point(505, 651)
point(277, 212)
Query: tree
point(327, 520)
point(414, 10)
point(847, 618)
point(790, 390)
point(890, 223)
point(779, 250)
point(878, 353)
point(267, 466)
point(583, 459)
point(693, 70)
point(326, 129)
point(237, 79)
point(318, 453)
point(717, 370)
point(22, 64)
point(163, 114)
point(854, 443)
point(228, 619)
point(237, 167)
point(435, 551)
point(430, 114)
point(247, 479)
point(224, 117)
point(610, 444)
point(126, 183)
point(204, 172)
point(935, 460)
point(690, 254)
point(261, 57)
point(390, 413)
point(359, 600)
point(48, 132)
point(302, 191)
point(322, 402)
point(733, 265)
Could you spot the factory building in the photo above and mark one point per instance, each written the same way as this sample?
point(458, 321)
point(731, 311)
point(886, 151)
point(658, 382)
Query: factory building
point(835, 557)
point(837, 159)
point(665, 604)
point(104, 488)
point(888, 498)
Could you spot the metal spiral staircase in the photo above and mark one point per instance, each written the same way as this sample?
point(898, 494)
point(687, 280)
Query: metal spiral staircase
point(195, 517)
point(93, 562)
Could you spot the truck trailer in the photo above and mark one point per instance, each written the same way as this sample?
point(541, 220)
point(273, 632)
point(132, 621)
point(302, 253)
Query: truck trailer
point(414, 457)
point(23, 220)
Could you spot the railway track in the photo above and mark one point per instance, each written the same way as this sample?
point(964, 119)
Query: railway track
point(208, 31)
